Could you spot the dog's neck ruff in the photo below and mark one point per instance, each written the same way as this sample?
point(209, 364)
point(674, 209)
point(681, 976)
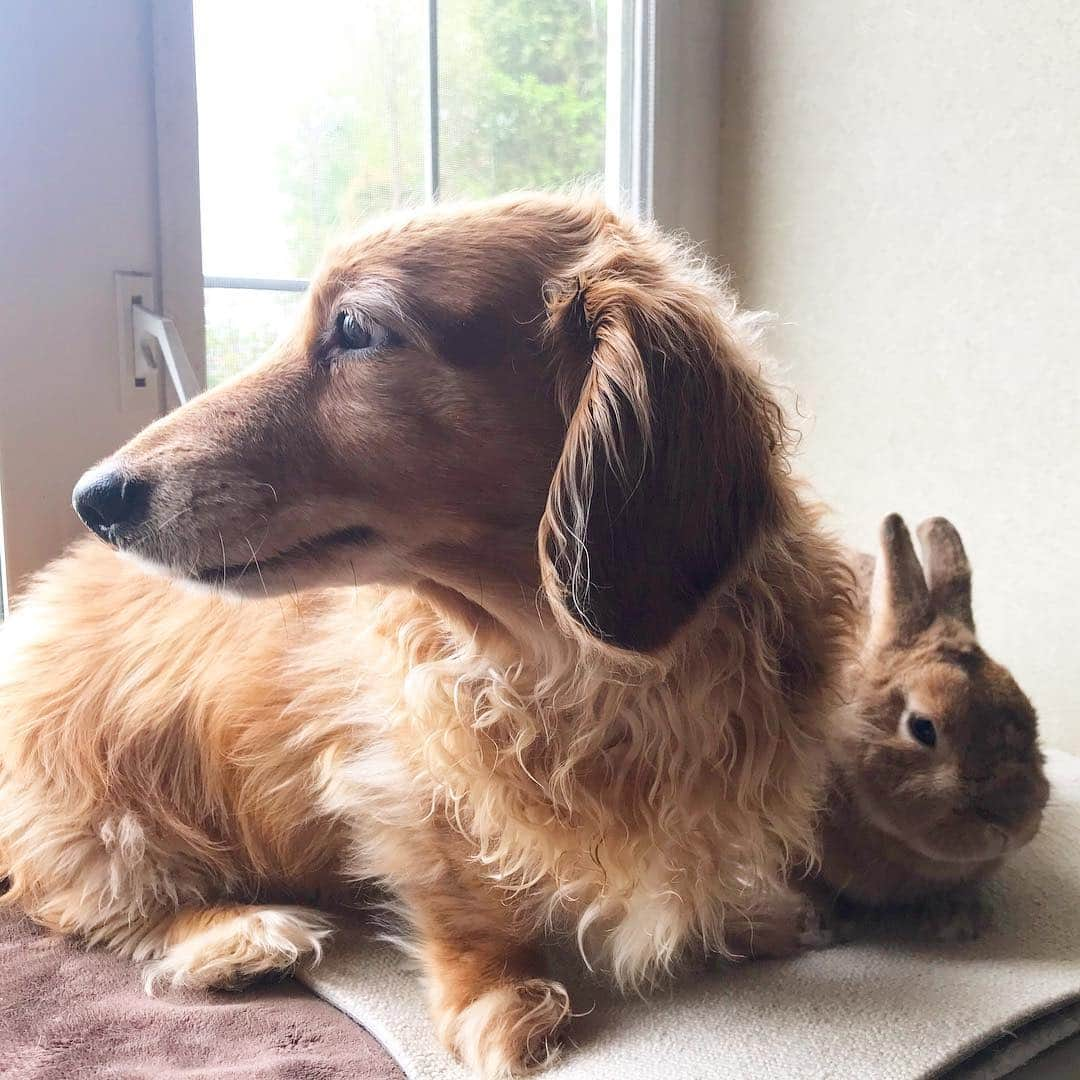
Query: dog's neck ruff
point(635, 805)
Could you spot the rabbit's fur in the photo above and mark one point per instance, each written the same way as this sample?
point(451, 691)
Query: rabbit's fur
point(907, 821)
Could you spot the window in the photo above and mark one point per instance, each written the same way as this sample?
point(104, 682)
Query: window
point(314, 117)
point(311, 117)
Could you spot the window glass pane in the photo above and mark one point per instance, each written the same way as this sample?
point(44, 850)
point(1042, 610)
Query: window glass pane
point(521, 94)
point(314, 116)
point(241, 324)
point(311, 117)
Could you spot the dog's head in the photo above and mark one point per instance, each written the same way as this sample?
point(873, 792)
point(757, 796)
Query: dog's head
point(461, 383)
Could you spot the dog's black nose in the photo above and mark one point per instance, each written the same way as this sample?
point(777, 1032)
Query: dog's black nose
point(110, 503)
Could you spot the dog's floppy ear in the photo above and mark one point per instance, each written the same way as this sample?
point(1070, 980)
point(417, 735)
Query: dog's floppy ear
point(665, 476)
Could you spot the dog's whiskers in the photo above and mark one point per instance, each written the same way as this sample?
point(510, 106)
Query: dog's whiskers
point(258, 568)
point(169, 520)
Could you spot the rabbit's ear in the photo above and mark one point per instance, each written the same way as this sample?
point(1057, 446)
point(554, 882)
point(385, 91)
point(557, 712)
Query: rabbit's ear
point(948, 572)
point(899, 600)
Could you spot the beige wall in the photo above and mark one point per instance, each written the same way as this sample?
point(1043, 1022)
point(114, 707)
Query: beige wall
point(902, 186)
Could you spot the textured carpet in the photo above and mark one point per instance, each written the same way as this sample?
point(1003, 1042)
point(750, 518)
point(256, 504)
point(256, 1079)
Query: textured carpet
point(885, 1008)
point(68, 1014)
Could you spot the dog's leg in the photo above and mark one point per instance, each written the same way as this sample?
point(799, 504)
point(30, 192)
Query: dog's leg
point(230, 945)
point(490, 1003)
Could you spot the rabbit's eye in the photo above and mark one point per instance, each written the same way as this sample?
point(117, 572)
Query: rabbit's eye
point(922, 730)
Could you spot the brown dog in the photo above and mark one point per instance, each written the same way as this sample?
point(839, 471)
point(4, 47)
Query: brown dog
point(577, 677)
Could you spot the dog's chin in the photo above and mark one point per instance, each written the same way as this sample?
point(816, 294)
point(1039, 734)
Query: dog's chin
point(343, 557)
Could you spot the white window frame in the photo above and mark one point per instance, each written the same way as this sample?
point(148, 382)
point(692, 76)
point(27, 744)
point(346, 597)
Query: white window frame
point(631, 63)
point(180, 265)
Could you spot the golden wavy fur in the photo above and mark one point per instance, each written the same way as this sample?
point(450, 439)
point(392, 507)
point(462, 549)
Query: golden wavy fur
point(499, 594)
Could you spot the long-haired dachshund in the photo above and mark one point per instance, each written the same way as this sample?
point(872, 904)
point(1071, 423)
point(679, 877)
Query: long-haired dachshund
point(489, 587)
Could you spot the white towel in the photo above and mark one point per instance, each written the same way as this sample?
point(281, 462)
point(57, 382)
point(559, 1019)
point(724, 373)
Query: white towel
point(882, 1009)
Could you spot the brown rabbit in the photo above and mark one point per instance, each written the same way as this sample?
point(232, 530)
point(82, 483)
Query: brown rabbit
point(937, 772)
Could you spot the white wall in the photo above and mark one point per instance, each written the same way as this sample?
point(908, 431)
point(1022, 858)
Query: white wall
point(902, 186)
point(77, 202)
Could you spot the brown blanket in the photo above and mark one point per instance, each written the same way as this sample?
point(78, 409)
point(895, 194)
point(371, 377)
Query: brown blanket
point(68, 1013)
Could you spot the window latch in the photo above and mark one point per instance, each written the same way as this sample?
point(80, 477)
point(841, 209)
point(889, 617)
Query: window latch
point(151, 352)
point(156, 343)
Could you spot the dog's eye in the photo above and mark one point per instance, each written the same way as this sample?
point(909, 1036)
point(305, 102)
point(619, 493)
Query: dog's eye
point(922, 729)
point(356, 334)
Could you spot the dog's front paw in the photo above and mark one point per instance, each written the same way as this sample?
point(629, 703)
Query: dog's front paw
point(228, 947)
point(509, 1029)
